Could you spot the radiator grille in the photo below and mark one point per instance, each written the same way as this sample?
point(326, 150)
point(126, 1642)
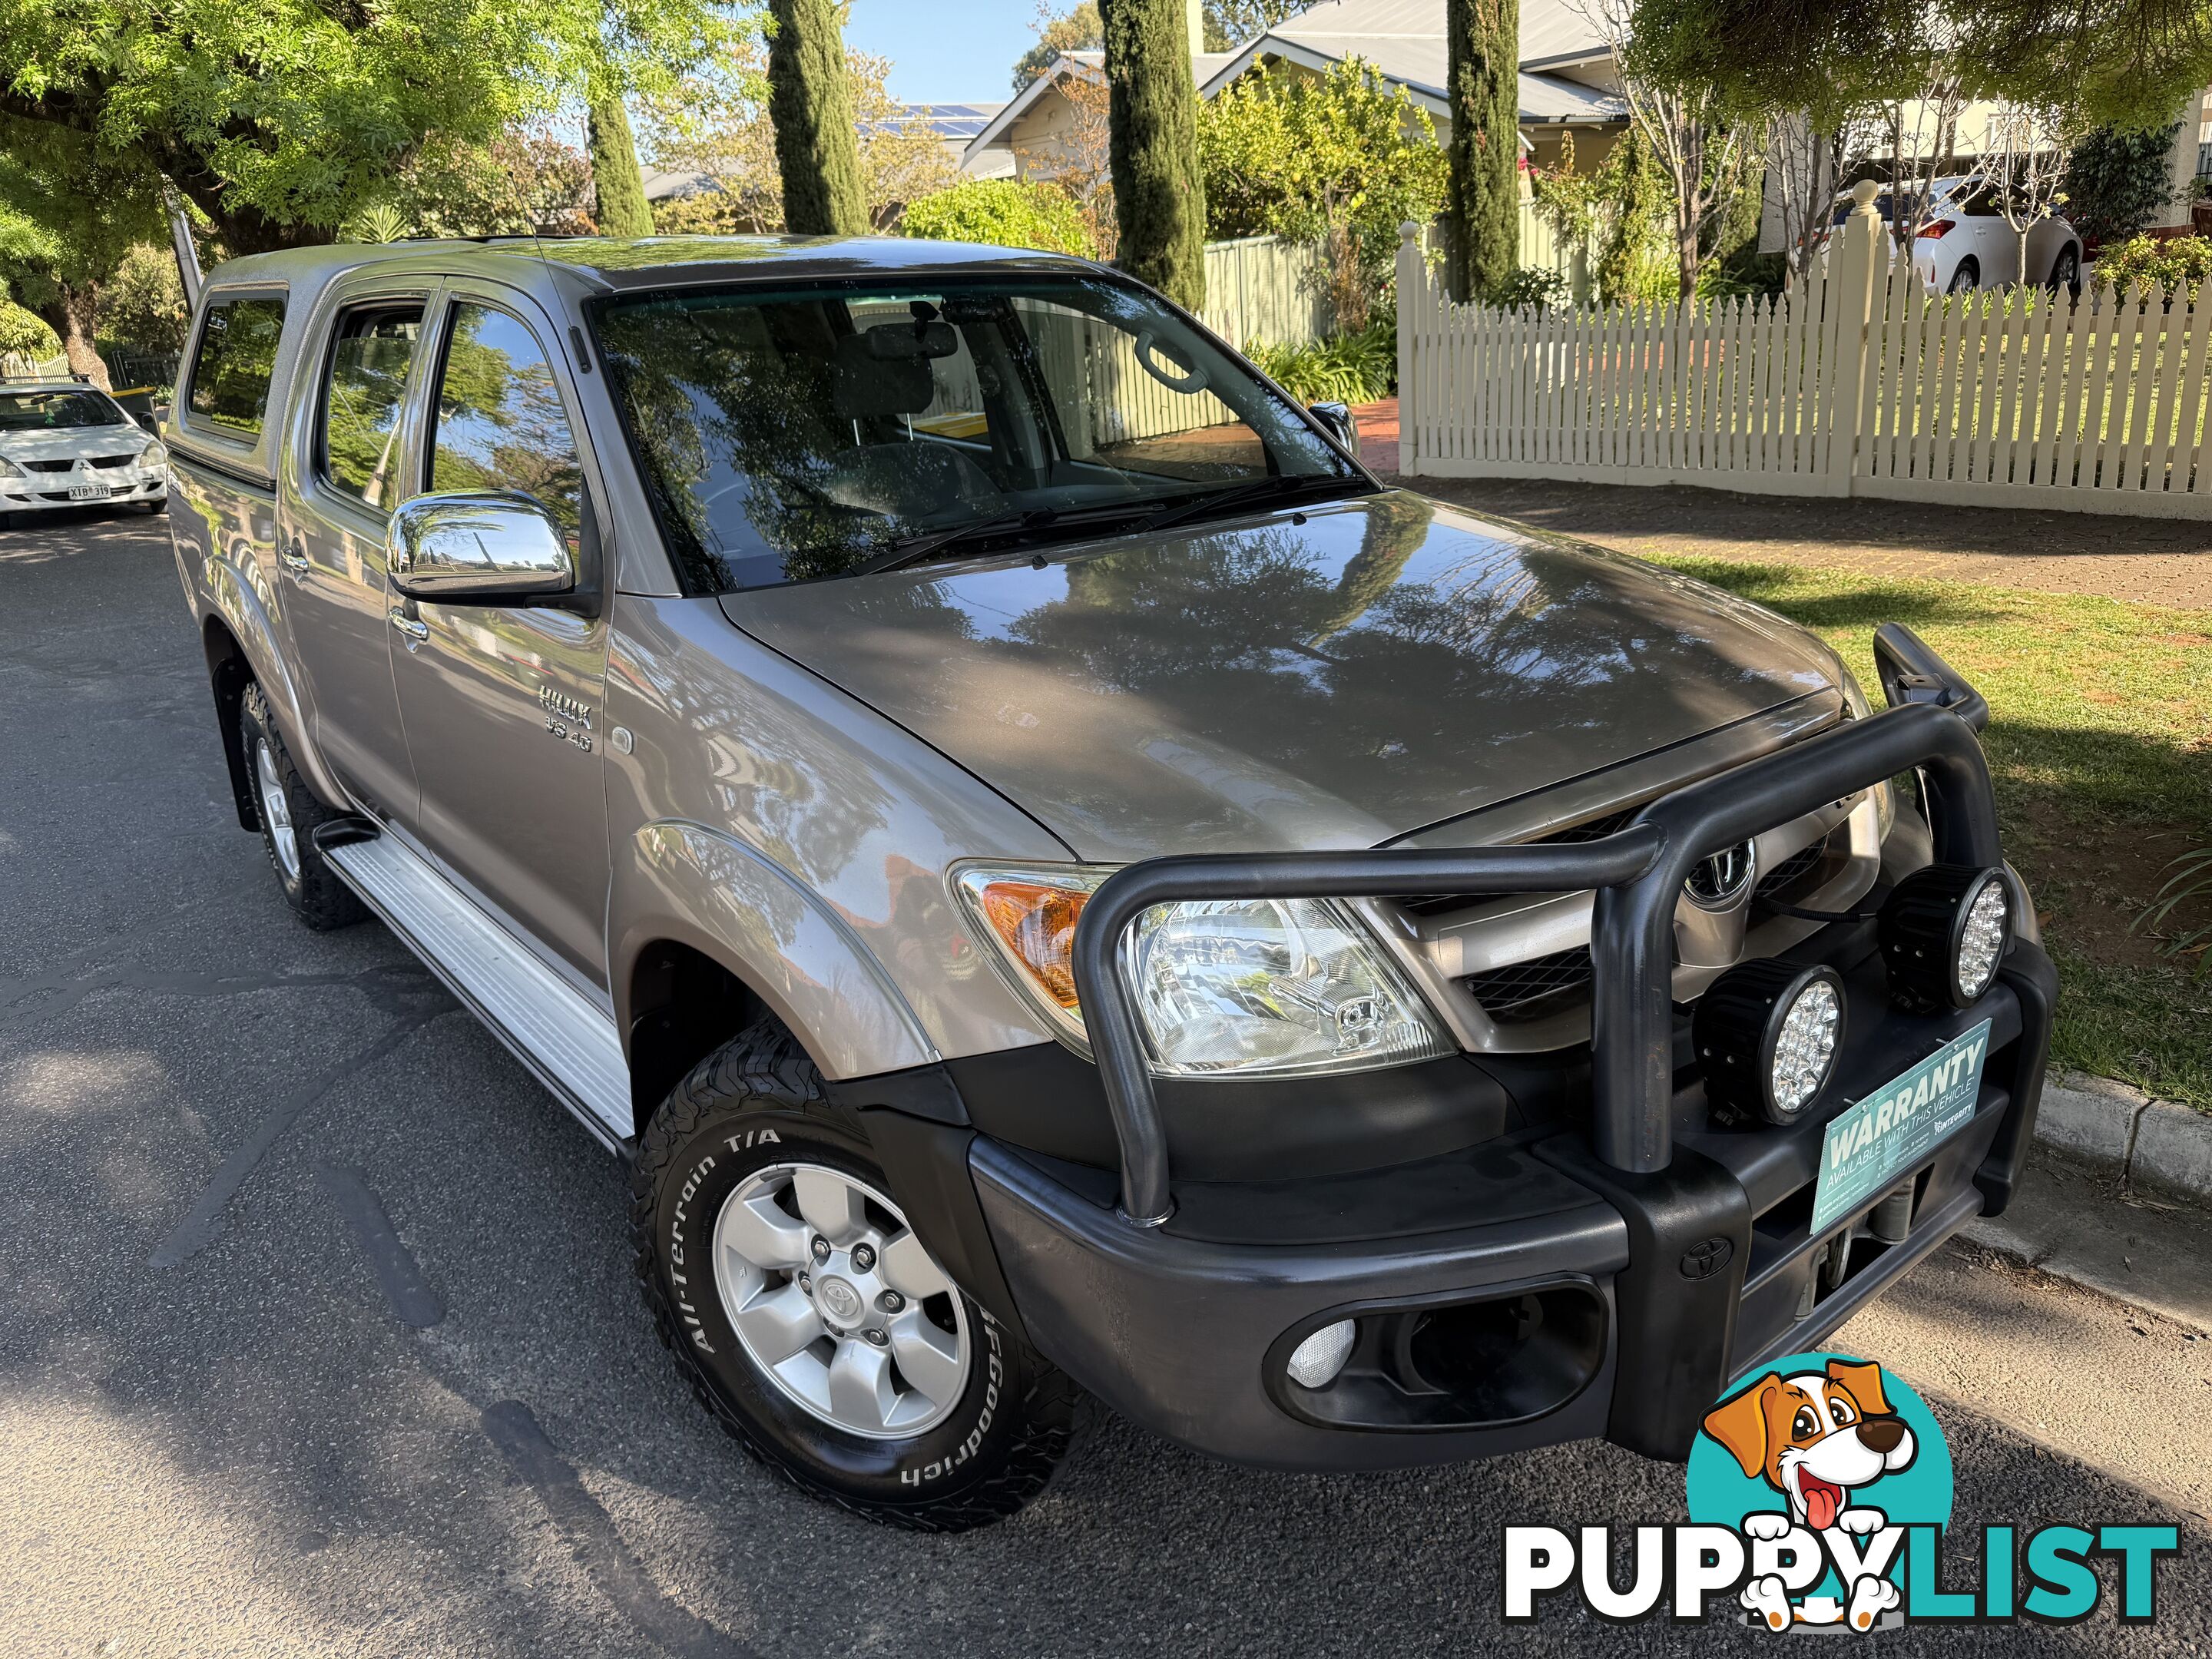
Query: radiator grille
point(1521, 992)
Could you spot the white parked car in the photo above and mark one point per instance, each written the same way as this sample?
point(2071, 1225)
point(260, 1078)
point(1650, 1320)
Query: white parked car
point(63, 443)
point(1966, 243)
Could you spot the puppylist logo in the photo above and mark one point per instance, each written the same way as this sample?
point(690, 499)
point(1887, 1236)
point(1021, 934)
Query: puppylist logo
point(1820, 1496)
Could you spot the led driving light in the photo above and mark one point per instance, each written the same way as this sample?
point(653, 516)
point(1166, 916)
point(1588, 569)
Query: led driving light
point(1228, 987)
point(1943, 932)
point(1316, 1361)
point(1767, 1034)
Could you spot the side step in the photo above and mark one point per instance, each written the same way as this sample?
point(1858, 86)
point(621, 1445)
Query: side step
point(564, 1037)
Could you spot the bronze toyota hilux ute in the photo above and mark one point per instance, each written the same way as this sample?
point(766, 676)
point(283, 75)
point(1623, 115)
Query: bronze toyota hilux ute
point(1061, 887)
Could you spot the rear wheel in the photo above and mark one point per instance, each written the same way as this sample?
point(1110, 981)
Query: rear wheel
point(289, 815)
point(811, 1319)
point(1965, 277)
point(2067, 272)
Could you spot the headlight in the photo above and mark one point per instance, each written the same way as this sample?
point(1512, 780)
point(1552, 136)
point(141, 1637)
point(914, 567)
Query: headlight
point(154, 455)
point(1243, 987)
point(1856, 706)
point(10, 470)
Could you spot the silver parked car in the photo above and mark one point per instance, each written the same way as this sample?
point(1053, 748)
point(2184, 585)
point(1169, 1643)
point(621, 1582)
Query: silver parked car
point(1061, 883)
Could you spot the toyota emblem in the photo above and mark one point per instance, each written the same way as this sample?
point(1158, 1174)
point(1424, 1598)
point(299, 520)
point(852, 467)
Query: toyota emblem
point(1707, 1257)
point(1718, 882)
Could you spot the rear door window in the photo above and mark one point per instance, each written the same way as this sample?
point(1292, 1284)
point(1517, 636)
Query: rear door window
point(501, 421)
point(236, 359)
point(371, 357)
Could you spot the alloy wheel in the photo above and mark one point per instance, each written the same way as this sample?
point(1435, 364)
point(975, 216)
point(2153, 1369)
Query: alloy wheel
point(276, 809)
point(836, 1302)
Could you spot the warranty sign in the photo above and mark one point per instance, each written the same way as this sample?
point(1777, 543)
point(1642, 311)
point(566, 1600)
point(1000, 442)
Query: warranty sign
point(1897, 1125)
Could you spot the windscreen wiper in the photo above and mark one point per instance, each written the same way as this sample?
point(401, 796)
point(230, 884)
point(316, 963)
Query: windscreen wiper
point(1258, 489)
point(912, 550)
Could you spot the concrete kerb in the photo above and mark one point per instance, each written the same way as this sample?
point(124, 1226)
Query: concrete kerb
point(2145, 1140)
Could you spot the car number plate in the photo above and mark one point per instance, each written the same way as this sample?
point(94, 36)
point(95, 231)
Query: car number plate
point(1898, 1124)
point(88, 492)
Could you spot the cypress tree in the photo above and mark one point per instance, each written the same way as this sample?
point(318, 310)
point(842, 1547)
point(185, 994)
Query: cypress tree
point(624, 210)
point(809, 104)
point(1159, 198)
point(1483, 74)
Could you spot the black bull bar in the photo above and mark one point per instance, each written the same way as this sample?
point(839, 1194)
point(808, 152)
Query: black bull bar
point(1638, 873)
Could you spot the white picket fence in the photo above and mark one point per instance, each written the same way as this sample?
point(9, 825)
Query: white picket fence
point(16, 366)
point(1860, 382)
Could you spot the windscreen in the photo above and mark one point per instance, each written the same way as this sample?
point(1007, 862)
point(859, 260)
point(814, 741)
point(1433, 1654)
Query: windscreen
point(792, 435)
point(51, 411)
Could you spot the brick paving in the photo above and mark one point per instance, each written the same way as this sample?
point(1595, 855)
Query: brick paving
point(2154, 560)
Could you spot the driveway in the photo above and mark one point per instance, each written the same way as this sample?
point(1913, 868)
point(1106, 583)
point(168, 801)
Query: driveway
point(318, 1333)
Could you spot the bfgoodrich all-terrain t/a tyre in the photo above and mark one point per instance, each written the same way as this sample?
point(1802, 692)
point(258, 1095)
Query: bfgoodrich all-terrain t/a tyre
point(809, 1320)
point(289, 814)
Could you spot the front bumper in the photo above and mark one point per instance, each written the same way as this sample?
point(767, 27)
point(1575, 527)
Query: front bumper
point(38, 490)
point(1608, 1279)
point(1569, 1286)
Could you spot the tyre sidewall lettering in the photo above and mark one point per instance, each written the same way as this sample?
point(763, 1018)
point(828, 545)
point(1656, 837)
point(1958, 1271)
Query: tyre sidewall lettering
point(968, 1447)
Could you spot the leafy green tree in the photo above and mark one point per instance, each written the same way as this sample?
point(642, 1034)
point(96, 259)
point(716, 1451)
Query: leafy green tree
point(1482, 40)
point(277, 119)
point(1230, 23)
point(522, 182)
point(1003, 213)
point(68, 217)
point(618, 187)
point(143, 305)
point(2128, 62)
point(24, 334)
point(809, 104)
point(2117, 180)
point(1159, 196)
point(1292, 154)
point(1075, 29)
point(718, 123)
point(1631, 265)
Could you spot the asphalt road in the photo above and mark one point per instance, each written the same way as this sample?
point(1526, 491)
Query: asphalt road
point(318, 1334)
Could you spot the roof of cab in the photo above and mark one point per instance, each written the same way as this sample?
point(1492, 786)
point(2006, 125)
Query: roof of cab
point(647, 261)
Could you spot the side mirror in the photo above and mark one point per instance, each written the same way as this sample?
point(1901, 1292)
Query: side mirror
point(1338, 421)
point(145, 418)
point(478, 547)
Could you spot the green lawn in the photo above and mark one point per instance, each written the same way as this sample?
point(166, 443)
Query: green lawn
point(2100, 744)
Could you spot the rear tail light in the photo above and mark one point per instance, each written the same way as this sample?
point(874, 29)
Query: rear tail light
point(1934, 229)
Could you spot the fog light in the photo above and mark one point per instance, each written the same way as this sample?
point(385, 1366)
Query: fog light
point(1316, 1361)
point(1943, 933)
point(1767, 1034)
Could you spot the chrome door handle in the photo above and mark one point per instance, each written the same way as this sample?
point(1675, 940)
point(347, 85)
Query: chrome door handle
point(293, 557)
point(413, 627)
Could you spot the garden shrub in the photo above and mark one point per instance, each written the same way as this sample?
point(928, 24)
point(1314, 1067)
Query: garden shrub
point(1347, 369)
point(1004, 213)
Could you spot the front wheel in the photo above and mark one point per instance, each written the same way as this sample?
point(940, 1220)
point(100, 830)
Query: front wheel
point(2067, 272)
point(810, 1319)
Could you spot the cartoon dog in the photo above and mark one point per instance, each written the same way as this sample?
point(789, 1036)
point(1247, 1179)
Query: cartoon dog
point(1815, 1437)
